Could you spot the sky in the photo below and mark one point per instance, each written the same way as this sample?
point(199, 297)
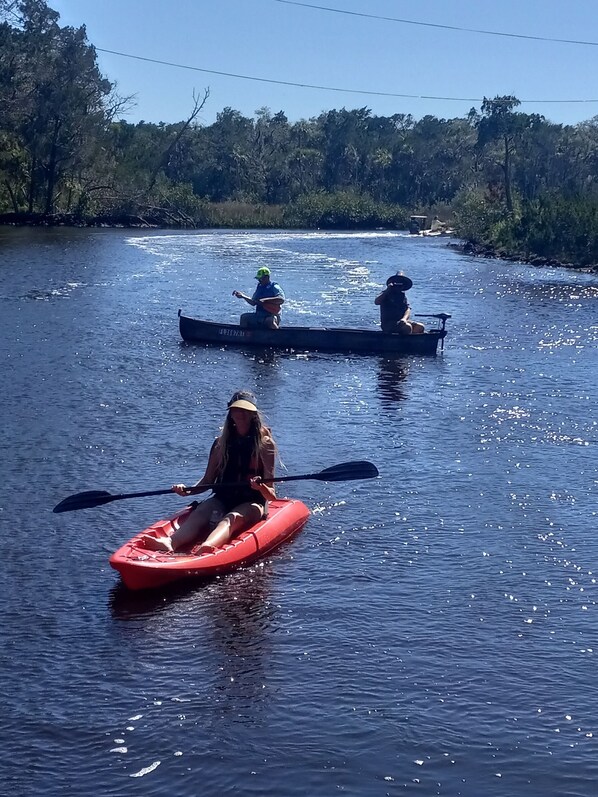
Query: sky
point(280, 41)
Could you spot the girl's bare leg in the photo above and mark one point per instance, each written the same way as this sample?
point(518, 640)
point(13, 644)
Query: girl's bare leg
point(241, 517)
point(196, 523)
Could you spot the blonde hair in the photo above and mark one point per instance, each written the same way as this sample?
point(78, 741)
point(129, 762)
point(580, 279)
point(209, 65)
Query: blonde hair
point(261, 440)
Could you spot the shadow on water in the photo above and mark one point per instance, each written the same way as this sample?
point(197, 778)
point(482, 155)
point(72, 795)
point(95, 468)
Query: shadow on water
point(235, 591)
point(392, 375)
point(243, 611)
point(126, 604)
point(243, 625)
point(234, 616)
point(264, 356)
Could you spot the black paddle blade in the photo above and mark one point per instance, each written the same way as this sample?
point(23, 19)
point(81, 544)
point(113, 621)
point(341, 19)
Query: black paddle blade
point(348, 471)
point(85, 500)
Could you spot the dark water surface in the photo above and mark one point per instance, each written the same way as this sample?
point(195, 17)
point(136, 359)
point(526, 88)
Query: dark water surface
point(432, 632)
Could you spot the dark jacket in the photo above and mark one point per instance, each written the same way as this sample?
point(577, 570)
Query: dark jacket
point(393, 307)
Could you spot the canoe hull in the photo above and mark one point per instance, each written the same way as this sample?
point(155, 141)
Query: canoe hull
point(141, 568)
point(365, 341)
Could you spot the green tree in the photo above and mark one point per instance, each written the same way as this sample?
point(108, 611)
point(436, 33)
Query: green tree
point(499, 124)
point(57, 104)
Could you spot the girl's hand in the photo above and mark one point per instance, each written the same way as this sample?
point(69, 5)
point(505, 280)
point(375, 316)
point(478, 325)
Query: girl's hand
point(258, 485)
point(181, 489)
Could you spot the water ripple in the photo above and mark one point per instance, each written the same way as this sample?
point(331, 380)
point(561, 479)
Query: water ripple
point(433, 630)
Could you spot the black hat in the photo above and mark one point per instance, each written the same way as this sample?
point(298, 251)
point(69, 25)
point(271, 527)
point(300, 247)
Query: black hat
point(400, 281)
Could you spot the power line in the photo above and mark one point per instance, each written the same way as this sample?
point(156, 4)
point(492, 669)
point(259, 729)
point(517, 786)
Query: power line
point(438, 25)
point(319, 88)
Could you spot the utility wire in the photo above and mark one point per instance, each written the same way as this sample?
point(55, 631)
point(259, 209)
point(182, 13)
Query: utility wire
point(319, 88)
point(437, 25)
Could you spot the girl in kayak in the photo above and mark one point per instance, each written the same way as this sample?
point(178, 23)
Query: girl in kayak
point(243, 454)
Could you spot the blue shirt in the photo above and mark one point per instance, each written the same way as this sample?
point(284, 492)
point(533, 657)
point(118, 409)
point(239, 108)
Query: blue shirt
point(268, 291)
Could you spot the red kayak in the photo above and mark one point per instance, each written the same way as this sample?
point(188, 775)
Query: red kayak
point(141, 568)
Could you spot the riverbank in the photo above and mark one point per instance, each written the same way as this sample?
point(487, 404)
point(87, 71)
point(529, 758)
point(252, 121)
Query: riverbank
point(484, 250)
point(235, 216)
point(317, 211)
point(70, 220)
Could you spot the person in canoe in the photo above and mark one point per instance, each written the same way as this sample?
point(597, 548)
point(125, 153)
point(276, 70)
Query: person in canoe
point(267, 299)
point(243, 455)
point(394, 308)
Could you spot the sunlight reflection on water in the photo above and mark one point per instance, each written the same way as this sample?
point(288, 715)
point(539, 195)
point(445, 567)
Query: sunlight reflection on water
point(434, 627)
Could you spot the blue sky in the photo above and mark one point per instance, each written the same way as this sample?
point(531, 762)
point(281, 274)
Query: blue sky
point(273, 40)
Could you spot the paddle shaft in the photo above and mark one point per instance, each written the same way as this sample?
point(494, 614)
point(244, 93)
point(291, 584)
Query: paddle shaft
point(344, 472)
point(121, 496)
point(303, 477)
point(143, 495)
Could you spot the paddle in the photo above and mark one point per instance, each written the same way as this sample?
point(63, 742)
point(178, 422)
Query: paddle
point(346, 471)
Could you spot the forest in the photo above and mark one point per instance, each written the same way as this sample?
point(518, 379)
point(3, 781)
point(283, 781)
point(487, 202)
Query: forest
point(510, 183)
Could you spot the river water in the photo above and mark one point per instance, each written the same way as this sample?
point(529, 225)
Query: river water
point(431, 632)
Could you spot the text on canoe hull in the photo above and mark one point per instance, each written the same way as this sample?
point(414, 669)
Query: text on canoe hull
point(233, 333)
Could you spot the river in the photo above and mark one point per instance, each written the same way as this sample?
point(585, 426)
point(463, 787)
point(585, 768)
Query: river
point(430, 632)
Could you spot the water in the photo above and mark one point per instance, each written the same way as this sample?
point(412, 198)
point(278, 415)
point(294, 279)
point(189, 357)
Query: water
point(432, 632)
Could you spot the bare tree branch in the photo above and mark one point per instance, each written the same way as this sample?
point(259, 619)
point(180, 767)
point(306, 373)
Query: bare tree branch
point(165, 159)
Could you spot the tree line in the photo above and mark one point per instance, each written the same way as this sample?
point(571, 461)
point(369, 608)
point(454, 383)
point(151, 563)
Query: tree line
point(508, 181)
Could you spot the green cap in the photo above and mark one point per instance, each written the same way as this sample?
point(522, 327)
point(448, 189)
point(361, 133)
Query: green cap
point(262, 272)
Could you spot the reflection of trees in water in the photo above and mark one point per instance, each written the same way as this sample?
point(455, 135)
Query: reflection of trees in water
point(552, 290)
point(392, 374)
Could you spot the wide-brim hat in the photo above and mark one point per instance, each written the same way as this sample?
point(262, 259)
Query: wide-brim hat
point(400, 281)
point(243, 400)
point(243, 405)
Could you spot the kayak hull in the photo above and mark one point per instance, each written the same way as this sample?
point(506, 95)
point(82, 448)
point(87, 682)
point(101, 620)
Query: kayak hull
point(141, 568)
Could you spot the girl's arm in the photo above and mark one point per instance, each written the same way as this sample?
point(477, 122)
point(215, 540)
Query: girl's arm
point(211, 473)
point(209, 476)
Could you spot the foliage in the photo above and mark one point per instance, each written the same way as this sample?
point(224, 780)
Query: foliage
point(476, 215)
point(55, 106)
point(509, 180)
point(343, 210)
point(556, 228)
point(245, 215)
